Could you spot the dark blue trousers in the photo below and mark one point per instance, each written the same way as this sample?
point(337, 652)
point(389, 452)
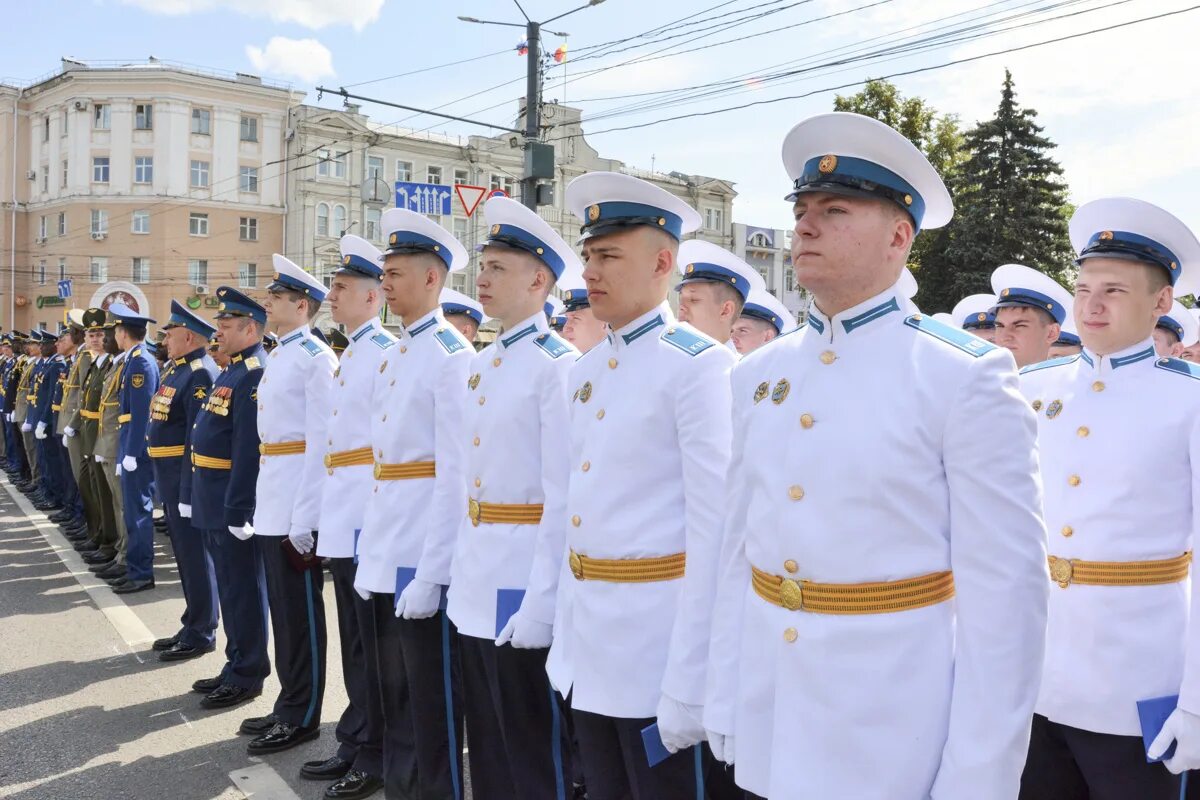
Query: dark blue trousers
point(242, 591)
point(198, 578)
point(137, 490)
point(50, 468)
point(71, 499)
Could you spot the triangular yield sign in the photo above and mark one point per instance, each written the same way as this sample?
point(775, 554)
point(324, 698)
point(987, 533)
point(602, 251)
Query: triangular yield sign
point(469, 196)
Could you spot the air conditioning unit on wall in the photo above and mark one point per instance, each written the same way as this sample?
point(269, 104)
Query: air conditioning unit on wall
point(200, 289)
point(99, 237)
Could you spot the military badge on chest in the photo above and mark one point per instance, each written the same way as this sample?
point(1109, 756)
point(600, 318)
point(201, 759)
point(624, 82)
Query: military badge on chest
point(219, 400)
point(160, 404)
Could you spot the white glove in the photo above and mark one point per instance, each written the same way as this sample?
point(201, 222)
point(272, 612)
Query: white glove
point(99, 458)
point(185, 511)
point(40, 433)
point(69, 431)
point(525, 634)
point(129, 463)
point(9, 416)
point(118, 470)
point(721, 746)
point(26, 427)
point(679, 724)
point(302, 540)
point(365, 594)
point(1183, 728)
point(244, 532)
point(65, 438)
point(419, 600)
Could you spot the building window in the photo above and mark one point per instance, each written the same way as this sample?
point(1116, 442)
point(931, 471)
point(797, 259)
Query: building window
point(201, 121)
point(66, 122)
point(339, 221)
point(197, 271)
point(100, 169)
point(374, 167)
point(198, 224)
point(460, 229)
point(789, 278)
point(373, 215)
point(502, 182)
point(461, 176)
point(458, 281)
point(141, 270)
point(247, 276)
point(404, 171)
point(199, 174)
point(99, 221)
point(102, 116)
point(42, 228)
point(143, 169)
point(99, 270)
point(331, 165)
point(249, 179)
point(322, 219)
point(45, 179)
point(65, 173)
point(42, 272)
point(759, 240)
point(248, 129)
point(248, 229)
point(143, 117)
point(46, 128)
point(141, 222)
point(62, 269)
point(433, 175)
point(714, 219)
point(62, 223)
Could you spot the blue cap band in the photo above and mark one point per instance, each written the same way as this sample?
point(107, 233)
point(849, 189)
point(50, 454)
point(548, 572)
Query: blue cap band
point(830, 172)
point(1171, 326)
point(576, 299)
point(558, 321)
point(1032, 299)
point(1069, 340)
point(704, 271)
point(401, 242)
point(618, 213)
point(459, 308)
point(513, 236)
point(1123, 244)
point(284, 281)
point(361, 266)
point(763, 313)
point(980, 319)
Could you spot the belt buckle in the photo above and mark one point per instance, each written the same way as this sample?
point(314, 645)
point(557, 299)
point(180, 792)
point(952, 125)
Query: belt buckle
point(576, 565)
point(1061, 571)
point(328, 460)
point(378, 470)
point(473, 511)
point(790, 595)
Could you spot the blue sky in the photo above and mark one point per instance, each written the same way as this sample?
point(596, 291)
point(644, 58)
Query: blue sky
point(1123, 105)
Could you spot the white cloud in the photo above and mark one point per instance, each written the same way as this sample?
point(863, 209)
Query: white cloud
point(309, 13)
point(306, 59)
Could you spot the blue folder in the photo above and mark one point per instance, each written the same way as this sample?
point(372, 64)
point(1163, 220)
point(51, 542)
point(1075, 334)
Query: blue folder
point(1153, 715)
point(508, 601)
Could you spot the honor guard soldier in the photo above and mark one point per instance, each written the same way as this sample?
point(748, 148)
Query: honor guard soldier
point(1030, 311)
point(501, 599)
point(416, 505)
point(13, 442)
point(218, 496)
point(1069, 343)
point(42, 418)
point(649, 447)
point(25, 418)
point(354, 301)
point(138, 383)
point(7, 360)
point(764, 317)
point(881, 611)
point(186, 383)
point(107, 559)
point(73, 516)
point(714, 288)
point(463, 313)
point(1173, 329)
point(1119, 445)
point(582, 330)
point(293, 411)
point(977, 313)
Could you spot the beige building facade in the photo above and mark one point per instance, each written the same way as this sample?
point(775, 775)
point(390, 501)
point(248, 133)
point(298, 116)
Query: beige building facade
point(142, 183)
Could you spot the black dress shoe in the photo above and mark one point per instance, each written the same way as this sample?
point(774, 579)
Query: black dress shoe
point(256, 726)
point(62, 516)
point(165, 644)
point(207, 685)
point(328, 770)
point(114, 574)
point(132, 587)
point(355, 785)
point(96, 557)
point(184, 652)
point(228, 696)
point(284, 736)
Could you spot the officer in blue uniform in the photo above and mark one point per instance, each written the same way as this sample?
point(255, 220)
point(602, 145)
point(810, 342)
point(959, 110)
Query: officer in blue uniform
point(139, 382)
point(17, 462)
point(219, 497)
point(186, 382)
point(42, 419)
point(8, 360)
point(39, 494)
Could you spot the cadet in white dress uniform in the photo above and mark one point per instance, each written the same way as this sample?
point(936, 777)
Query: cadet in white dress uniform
point(714, 288)
point(416, 504)
point(1069, 343)
point(1174, 330)
point(977, 313)
point(764, 317)
point(649, 448)
point(463, 312)
point(1030, 311)
point(293, 410)
point(354, 300)
point(516, 471)
point(882, 603)
point(1119, 434)
point(582, 329)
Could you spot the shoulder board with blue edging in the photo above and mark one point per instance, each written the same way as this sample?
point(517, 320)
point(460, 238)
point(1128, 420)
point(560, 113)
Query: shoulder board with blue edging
point(1179, 366)
point(552, 345)
point(1053, 362)
point(382, 340)
point(311, 347)
point(955, 337)
point(691, 343)
point(450, 339)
